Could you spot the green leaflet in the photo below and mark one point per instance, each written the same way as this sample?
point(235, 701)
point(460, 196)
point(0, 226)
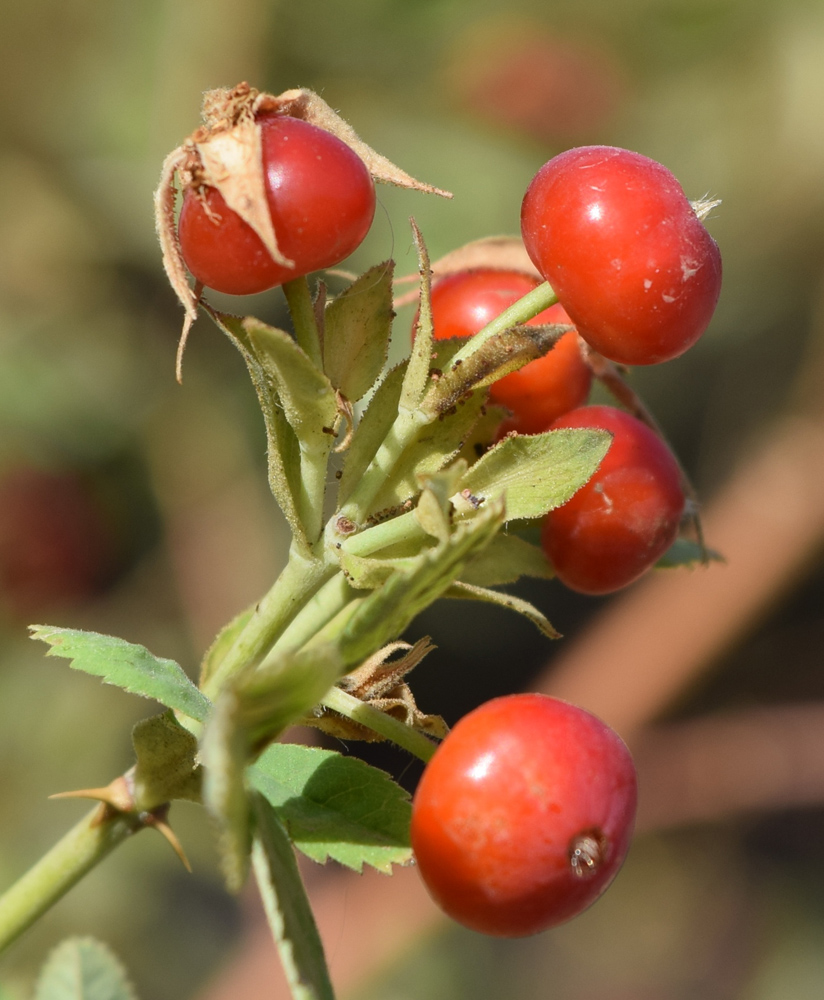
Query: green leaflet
point(356, 332)
point(535, 473)
point(287, 908)
point(467, 592)
point(505, 560)
point(167, 766)
point(83, 969)
point(127, 665)
point(282, 443)
point(372, 428)
point(416, 378)
point(335, 807)
point(487, 360)
point(304, 392)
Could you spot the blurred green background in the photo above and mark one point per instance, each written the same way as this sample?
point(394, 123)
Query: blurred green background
point(133, 506)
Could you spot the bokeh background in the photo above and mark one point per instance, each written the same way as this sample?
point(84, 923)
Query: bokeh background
point(133, 506)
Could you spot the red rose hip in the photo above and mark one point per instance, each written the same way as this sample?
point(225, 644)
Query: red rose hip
point(614, 234)
point(524, 815)
point(625, 518)
point(321, 200)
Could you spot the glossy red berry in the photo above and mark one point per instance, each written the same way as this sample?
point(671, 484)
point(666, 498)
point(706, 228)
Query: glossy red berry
point(626, 517)
point(614, 234)
point(321, 200)
point(524, 815)
point(464, 302)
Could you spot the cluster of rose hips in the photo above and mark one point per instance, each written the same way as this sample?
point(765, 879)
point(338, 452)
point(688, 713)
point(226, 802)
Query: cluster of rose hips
point(524, 814)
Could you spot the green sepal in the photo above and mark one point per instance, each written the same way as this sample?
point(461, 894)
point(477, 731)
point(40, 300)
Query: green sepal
point(505, 560)
point(287, 908)
point(357, 326)
point(372, 429)
point(493, 358)
point(535, 473)
point(305, 393)
point(468, 592)
point(282, 443)
point(126, 665)
point(167, 766)
point(81, 968)
point(335, 807)
point(417, 373)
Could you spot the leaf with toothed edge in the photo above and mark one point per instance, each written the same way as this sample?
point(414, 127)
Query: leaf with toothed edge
point(126, 665)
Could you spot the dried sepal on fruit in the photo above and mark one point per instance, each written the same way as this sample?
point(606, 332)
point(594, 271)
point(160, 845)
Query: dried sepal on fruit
point(225, 154)
point(504, 253)
point(379, 682)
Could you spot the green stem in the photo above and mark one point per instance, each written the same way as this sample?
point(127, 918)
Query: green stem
point(295, 586)
point(56, 872)
point(403, 528)
point(304, 321)
point(359, 711)
point(322, 607)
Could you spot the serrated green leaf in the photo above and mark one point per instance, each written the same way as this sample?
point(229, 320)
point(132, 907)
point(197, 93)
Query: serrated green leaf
point(483, 434)
point(83, 969)
point(304, 392)
point(491, 359)
point(467, 592)
point(357, 327)
point(224, 641)
point(535, 473)
point(282, 443)
point(505, 560)
point(126, 665)
point(372, 428)
point(383, 615)
point(252, 709)
point(288, 910)
point(435, 446)
point(167, 766)
point(416, 378)
point(686, 552)
point(335, 807)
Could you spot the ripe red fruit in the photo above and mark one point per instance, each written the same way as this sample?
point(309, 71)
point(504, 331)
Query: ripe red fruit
point(524, 815)
point(614, 234)
point(464, 302)
point(624, 519)
point(321, 200)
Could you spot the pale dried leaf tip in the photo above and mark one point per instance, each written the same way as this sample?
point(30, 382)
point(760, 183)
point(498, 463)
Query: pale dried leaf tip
point(504, 253)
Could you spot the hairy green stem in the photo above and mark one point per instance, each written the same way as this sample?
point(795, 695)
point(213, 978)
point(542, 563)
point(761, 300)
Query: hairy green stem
point(403, 528)
point(323, 606)
point(63, 866)
point(295, 586)
point(392, 729)
point(302, 309)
